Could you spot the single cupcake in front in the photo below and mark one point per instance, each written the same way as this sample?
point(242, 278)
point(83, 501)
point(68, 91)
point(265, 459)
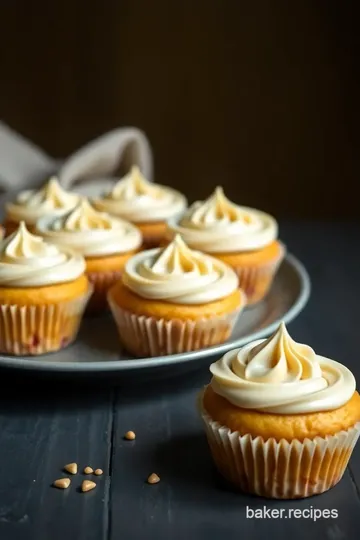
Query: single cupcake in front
point(281, 421)
point(244, 238)
point(105, 242)
point(43, 294)
point(143, 203)
point(31, 205)
point(174, 300)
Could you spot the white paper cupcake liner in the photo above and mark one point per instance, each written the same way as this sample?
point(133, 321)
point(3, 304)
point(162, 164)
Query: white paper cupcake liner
point(35, 330)
point(280, 469)
point(148, 336)
point(256, 280)
point(101, 282)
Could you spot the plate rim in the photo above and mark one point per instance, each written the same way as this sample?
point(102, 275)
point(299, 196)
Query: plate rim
point(37, 364)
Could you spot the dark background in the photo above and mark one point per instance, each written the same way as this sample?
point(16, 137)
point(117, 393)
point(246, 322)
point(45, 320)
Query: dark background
point(260, 96)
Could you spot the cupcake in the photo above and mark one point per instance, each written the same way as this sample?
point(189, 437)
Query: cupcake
point(243, 238)
point(281, 421)
point(143, 203)
point(105, 242)
point(31, 205)
point(174, 300)
point(43, 293)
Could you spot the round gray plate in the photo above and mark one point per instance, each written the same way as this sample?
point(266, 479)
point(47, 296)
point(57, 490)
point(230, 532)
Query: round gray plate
point(97, 349)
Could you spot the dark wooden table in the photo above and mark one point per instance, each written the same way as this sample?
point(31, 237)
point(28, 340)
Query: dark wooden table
point(46, 422)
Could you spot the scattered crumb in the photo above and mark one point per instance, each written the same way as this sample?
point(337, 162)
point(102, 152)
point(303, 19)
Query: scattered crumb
point(62, 483)
point(129, 436)
point(88, 470)
point(153, 479)
point(71, 468)
point(99, 472)
point(87, 485)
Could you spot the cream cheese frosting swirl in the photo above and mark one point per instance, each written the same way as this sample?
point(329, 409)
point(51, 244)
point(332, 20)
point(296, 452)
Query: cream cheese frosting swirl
point(179, 275)
point(281, 376)
point(89, 232)
point(136, 199)
point(51, 199)
point(27, 260)
point(219, 226)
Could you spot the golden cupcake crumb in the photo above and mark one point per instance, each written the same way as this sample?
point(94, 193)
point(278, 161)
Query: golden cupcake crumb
point(62, 483)
point(88, 470)
point(99, 472)
point(71, 468)
point(87, 485)
point(130, 435)
point(153, 479)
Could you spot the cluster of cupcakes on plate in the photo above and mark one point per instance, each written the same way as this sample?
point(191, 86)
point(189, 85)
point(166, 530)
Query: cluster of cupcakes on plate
point(176, 278)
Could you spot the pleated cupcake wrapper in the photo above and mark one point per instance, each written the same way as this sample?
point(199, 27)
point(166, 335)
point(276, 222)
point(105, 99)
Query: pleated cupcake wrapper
point(34, 330)
point(280, 469)
point(148, 336)
point(256, 280)
point(101, 282)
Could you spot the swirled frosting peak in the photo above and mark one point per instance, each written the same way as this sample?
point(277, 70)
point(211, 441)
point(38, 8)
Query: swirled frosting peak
point(82, 218)
point(27, 260)
point(136, 199)
point(281, 376)
point(179, 275)
point(90, 232)
point(30, 205)
point(135, 185)
point(219, 209)
point(218, 225)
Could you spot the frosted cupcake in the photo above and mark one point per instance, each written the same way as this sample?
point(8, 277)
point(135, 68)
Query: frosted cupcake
point(106, 243)
point(244, 238)
point(174, 300)
point(143, 203)
point(30, 205)
point(281, 421)
point(43, 293)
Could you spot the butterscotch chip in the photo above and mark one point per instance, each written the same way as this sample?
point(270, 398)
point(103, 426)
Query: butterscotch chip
point(87, 485)
point(62, 483)
point(71, 468)
point(99, 472)
point(153, 479)
point(129, 436)
point(88, 470)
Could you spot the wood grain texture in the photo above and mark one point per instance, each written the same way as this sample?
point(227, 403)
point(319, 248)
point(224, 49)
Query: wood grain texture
point(41, 430)
point(259, 97)
point(191, 501)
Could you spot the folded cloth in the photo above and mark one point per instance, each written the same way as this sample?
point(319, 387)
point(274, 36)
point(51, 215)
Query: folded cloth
point(24, 165)
point(102, 157)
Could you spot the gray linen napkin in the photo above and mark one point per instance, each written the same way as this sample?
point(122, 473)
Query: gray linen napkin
point(24, 165)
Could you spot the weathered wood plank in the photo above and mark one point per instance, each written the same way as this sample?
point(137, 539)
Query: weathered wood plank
point(40, 431)
point(191, 500)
